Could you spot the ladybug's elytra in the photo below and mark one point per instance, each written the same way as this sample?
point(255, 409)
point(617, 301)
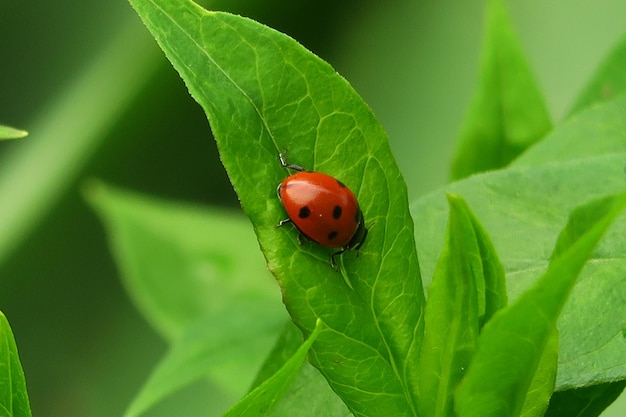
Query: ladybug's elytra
point(323, 209)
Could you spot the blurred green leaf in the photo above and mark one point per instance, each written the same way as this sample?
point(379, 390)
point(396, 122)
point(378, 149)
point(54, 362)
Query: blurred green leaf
point(64, 137)
point(263, 398)
point(608, 82)
point(13, 394)
point(226, 346)
point(7, 132)
point(584, 402)
point(508, 113)
point(198, 277)
point(511, 344)
point(594, 131)
point(468, 277)
point(264, 93)
point(180, 262)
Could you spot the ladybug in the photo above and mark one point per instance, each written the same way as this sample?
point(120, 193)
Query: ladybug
point(323, 209)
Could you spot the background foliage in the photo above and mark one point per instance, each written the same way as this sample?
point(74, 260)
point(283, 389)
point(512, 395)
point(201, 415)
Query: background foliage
point(414, 62)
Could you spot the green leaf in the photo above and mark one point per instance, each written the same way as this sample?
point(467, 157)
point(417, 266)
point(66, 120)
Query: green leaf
point(288, 341)
point(524, 208)
point(226, 346)
point(542, 386)
point(194, 274)
point(179, 262)
point(13, 394)
point(264, 93)
point(608, 82)
point(511, 344)
point(467, 289)
point(262, 399)
point(585, 402)
point(594, 131)
point(309, 395)
point(7, 132)
point(508, 113)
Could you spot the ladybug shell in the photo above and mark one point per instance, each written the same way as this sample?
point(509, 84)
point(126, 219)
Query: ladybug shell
point(322, 208)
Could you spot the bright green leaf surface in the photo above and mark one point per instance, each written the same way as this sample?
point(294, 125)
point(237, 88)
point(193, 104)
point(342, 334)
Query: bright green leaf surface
point(508, 113)
point(608, 82)
point(227, 346)
point(7, 132)
point(263, 398)
point(176, 262)
point(512, 343)
point(264, 93)
point(13, 395)
point(456, 308)
point(523, 210)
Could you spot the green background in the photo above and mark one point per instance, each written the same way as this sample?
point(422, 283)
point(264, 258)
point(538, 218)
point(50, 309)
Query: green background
point(84, 348)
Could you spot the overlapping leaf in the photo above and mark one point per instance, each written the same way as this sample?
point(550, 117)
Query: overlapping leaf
point(508, 113)
point(263, 93)
point(512, 343)
point(467, 289)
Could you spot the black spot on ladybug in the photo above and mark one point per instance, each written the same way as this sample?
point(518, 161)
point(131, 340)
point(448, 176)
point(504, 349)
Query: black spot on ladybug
point(332, 235)
point(336, 212)
point(304, 212)
point(341, 184)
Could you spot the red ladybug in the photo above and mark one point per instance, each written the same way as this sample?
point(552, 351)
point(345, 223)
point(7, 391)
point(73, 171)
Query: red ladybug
point(323, 209)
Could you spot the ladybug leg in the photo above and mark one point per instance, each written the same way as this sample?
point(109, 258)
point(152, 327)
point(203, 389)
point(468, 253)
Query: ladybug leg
point(284, 163)
point(355, 244)
point(301, 237)
point(333, 264)
point(283, 222)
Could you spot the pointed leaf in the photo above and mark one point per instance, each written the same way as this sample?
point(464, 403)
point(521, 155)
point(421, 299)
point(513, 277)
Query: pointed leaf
point(456, 308)
point(263, 398)
point(512, 343)
point(309, 395)
point(13, 395)
point(264, 93)
point(7, 132)
point(524, 207)
point(542, 386)
point(608, 82)
point(508, 113)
